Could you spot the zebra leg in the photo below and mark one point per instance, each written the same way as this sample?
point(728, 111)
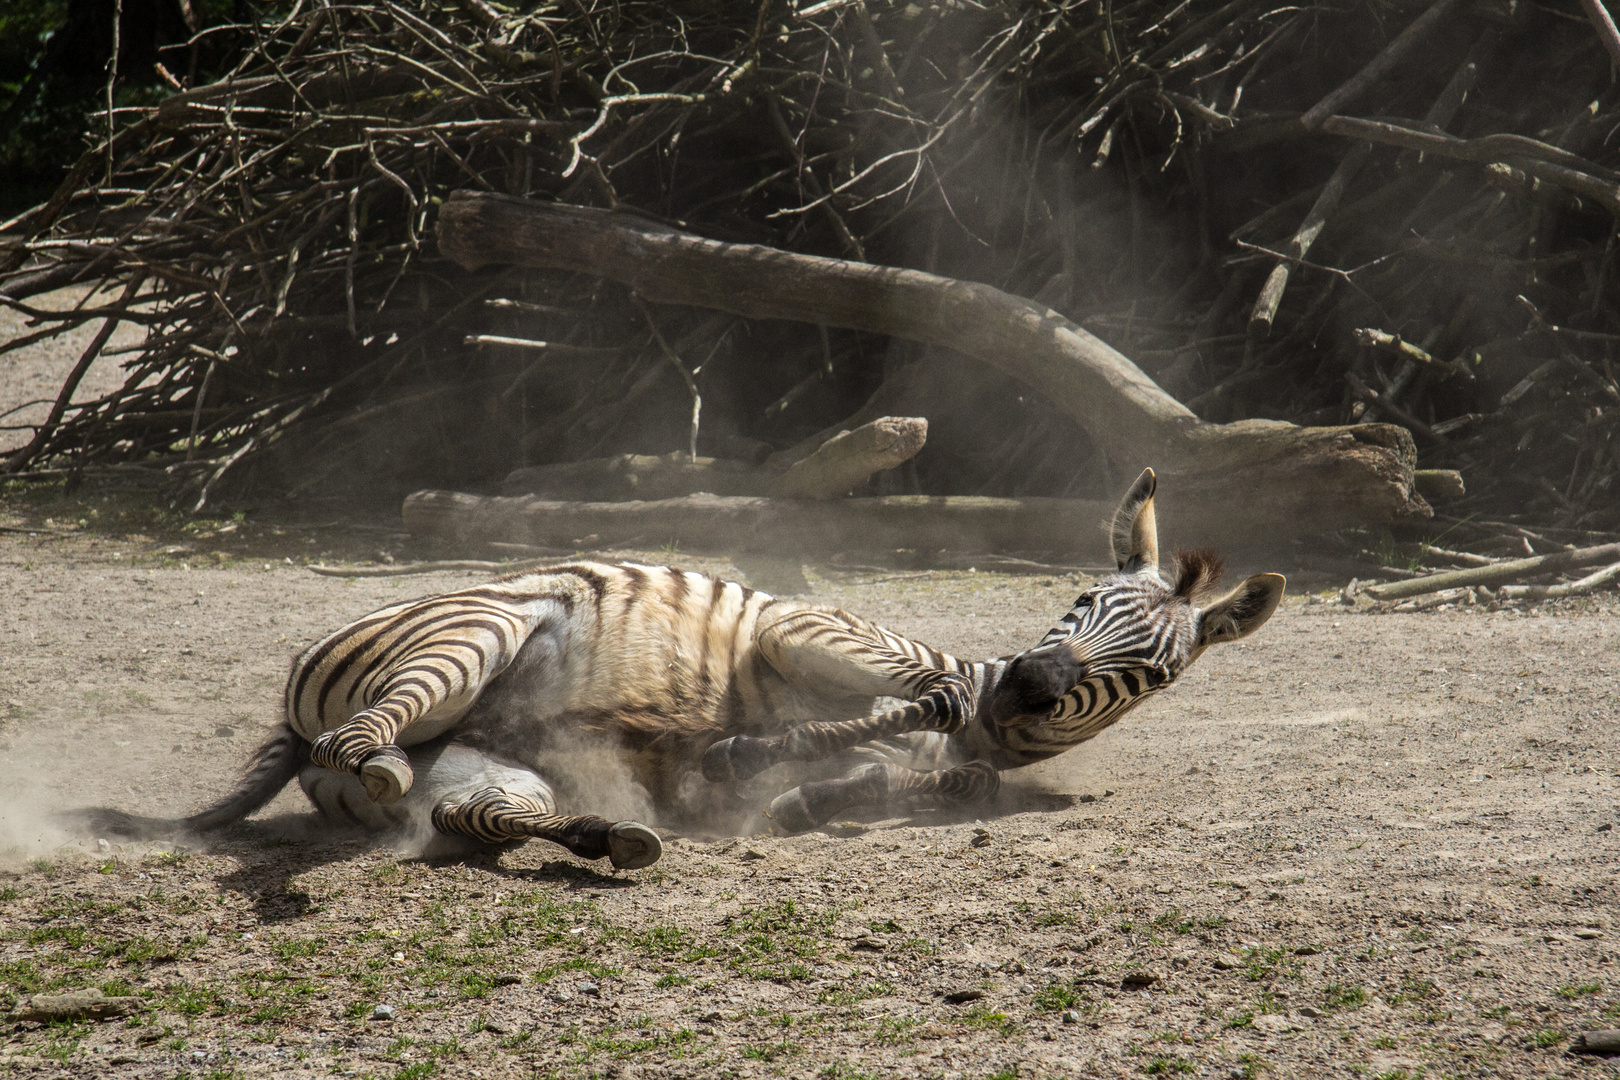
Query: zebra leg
point(811, 805)
point(495, 816)
point(944, 706)
point(847, 659)
point(365, 748)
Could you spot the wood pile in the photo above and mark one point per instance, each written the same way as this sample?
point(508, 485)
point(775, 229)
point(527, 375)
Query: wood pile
point(1391, 228)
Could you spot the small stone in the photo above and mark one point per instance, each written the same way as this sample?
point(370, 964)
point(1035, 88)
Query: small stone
point(981, 840)
point(1587, 933)
point(711, 1017)
point(1311, 1011)
point(1088, 797)
point(1225, 963)
point(563, 995)
point(1070, 1016)
point(103, 847)
point(958, 997)
point(224, 731)
point(1557, 939)
point(871, 942)
point(1605, 827)
point(590, 989)
point(750, 855)
point(499, 1027)
point(1307, 950)
point(1106, 793)
point(507, 979)
point(383, 1012)
point(1136, 980)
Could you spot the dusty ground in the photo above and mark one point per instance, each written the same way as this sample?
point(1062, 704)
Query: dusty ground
point(1355, 844)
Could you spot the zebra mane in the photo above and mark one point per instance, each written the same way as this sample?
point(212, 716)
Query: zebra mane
point(1197, 573)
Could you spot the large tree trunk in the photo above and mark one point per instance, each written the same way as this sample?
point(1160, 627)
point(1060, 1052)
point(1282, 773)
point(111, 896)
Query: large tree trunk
point(1267, 475)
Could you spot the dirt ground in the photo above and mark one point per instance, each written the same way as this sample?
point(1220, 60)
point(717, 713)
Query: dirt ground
point(1355, 844)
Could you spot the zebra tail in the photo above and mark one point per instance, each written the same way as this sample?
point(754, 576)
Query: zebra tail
point(272, 767)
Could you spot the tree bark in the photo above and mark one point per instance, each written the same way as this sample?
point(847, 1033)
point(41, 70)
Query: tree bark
point(1269, 475)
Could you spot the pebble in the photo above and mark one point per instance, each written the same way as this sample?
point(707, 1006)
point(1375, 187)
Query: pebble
point(1138, 979)
point(590, 989)
point(1070, 1016)
point(1588, 934)
point(383, 1012)
point(499, 1027)
point(1225, 963)
point(958, 997)
point(507, 979)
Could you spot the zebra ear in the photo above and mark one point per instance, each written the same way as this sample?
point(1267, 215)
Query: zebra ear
point(1135, 531)
point(1242, 611)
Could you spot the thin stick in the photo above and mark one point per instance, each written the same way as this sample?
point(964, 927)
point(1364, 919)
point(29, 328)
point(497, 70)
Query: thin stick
point(1380, 65)
point(43, 433)
point(1603, 23)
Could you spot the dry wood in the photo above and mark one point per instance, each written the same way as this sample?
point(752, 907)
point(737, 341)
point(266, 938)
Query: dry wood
point(745, 523)
point(1499, 573)
point(1589, 583)
point(843, 462)
point(1275, 471)
point(1439, 485)
point(849, 457)
point(1606, 1041)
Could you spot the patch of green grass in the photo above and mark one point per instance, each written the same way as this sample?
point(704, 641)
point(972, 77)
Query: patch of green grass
point(1417, 933)
point(1385, 1042)
point(1241, 1020)
point(842, 1070)
point(1577, 990)
point(896, 1030)
point(1055, 997)
point(850, 994)
point(671, 979)
point(1168, 1066)
point(10, 893)
point(1175, 921)
point(1547, 1037)
point(595, 970)
point(769, 1051)
point(1261, 962)
point(1412, 989)
point(289, 949)
point(983, 1018)
point(1336, 996)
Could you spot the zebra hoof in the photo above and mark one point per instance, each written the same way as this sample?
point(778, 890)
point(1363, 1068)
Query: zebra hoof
point(790, 812)
point(387, 778)
point(734, 759)
point(631, 845)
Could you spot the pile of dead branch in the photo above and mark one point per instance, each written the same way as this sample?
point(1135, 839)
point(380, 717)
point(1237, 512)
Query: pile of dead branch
point(1319, 214)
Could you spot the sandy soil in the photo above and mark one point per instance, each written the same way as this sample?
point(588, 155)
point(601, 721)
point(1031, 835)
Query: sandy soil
point(1353, 845)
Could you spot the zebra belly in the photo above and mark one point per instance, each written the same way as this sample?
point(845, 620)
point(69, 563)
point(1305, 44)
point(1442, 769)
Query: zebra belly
point(444, 773)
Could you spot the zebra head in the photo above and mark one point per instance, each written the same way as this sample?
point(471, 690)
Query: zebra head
point(1131, 634)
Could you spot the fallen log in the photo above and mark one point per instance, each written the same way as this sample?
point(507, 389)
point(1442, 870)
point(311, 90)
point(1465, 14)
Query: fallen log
point(1282, 479)
point(749, 523)
point(842, 463)
point(1500, 573)
point(1589, 583)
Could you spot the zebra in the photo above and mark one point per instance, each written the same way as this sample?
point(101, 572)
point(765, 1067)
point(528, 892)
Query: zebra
point(448, 715)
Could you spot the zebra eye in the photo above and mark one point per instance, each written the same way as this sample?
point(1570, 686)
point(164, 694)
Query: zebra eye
point(1085, 600)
